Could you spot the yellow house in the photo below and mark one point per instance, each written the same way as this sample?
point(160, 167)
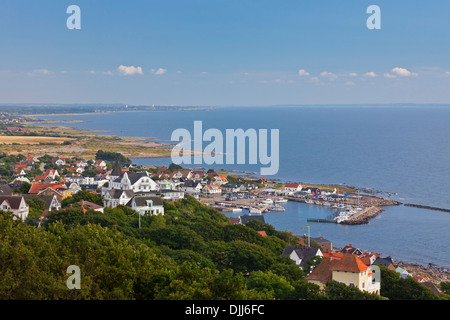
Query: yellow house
point(60, 193)
point(349, 270)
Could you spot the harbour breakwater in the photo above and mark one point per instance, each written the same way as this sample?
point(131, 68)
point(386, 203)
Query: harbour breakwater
point(426, 207)
point(364, 216)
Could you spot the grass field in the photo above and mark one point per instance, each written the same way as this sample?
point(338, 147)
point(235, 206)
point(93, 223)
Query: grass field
point(83, 144)
point(32, 140)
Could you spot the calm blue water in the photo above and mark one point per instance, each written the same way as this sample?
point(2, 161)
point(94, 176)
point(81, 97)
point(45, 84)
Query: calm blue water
point(402, 150)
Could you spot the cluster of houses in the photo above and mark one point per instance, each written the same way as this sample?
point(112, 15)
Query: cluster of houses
point(348, 265)
point(143, 190)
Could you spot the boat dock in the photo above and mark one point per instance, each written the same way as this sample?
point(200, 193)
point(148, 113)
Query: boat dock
point(321, 220)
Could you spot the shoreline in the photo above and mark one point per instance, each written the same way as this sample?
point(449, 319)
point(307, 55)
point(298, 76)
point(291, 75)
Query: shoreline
point(156, 156)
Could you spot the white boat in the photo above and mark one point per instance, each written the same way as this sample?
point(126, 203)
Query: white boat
point(327, 204)
point(255, 210)
point(277, 208)
point(281, 200)
point(267, 201)
point(309, 201)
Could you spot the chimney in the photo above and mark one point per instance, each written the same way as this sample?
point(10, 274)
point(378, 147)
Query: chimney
point(350, 245)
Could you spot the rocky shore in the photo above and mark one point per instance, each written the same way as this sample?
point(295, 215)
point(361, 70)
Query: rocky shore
point(436, 274)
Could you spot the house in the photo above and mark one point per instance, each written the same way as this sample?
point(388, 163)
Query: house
point(92, 206)
point(147, 205)
point(51, 173)
point(387, 262)
point(19, 172)
point(349, 270)
point(248, 186)
point(138, 182)
point(310, 190)
point(212, 189)
point(219, 180)
point(198, 175)
point(230, 188)
point(171, 194)
point(301, 254)
point(15, 204)
point(51, 202)
point(99, 163)
point(112, 198)
point(73, 187)
point(262, 181)
point(60, 191)
point(351, 250)
point(246, 219)
point(60, 162)
point(325, 244)
point(192, 186)
point(353, 272)
point(403, 273)
point(165, 184)
point(5, 190)
point(292, 187)
point(333, 255)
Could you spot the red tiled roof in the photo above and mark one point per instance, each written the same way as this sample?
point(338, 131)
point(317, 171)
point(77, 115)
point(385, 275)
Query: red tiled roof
point(291, 185)
point(323, 271)
point(351, 263)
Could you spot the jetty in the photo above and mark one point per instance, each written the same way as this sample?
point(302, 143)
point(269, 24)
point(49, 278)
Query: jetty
point(426, 207)
point(363, 216)
point(321, 220)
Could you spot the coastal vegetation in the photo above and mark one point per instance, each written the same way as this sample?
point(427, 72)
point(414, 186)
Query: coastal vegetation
point(69, 142)
point(192, 252)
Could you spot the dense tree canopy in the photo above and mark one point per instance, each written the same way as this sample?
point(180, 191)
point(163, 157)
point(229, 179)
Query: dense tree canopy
point(192, 252)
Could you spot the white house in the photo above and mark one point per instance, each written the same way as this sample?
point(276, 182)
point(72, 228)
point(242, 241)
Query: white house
point(112, 198)
point(192, 187)
point(16, 205)
point(147, 205)
point(212, 189)
point(138, 182)
point(171, 194)
point(301, 254)
point(60, 162)
point(292, 187)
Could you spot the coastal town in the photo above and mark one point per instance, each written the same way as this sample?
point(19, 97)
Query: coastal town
point(146, 189)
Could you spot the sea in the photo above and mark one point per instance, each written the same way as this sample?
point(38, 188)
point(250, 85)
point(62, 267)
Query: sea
point(396, 151)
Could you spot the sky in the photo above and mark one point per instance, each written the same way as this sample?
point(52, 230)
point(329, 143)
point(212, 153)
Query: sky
point(225, 53)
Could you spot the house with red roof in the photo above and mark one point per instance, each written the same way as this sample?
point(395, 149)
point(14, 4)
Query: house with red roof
point(212, 189)
point(350, 270)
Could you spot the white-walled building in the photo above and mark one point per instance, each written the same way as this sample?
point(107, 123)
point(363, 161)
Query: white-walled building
point(16, 205)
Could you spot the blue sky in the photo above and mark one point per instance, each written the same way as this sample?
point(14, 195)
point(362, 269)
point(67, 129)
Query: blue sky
point(215, 52)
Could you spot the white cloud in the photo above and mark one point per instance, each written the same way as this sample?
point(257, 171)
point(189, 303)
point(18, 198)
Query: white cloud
point(128, 71)
point(390, 76)
point(349, 83)
point(370, 74)
point(329, 75)
point(353, 74)
point(44, 72)
point(447, 73)
point(404, 72)
point(303, 72)
point(159, 71)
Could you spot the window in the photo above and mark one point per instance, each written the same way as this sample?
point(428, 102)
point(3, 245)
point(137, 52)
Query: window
point(362, 285)
point(351, 284)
